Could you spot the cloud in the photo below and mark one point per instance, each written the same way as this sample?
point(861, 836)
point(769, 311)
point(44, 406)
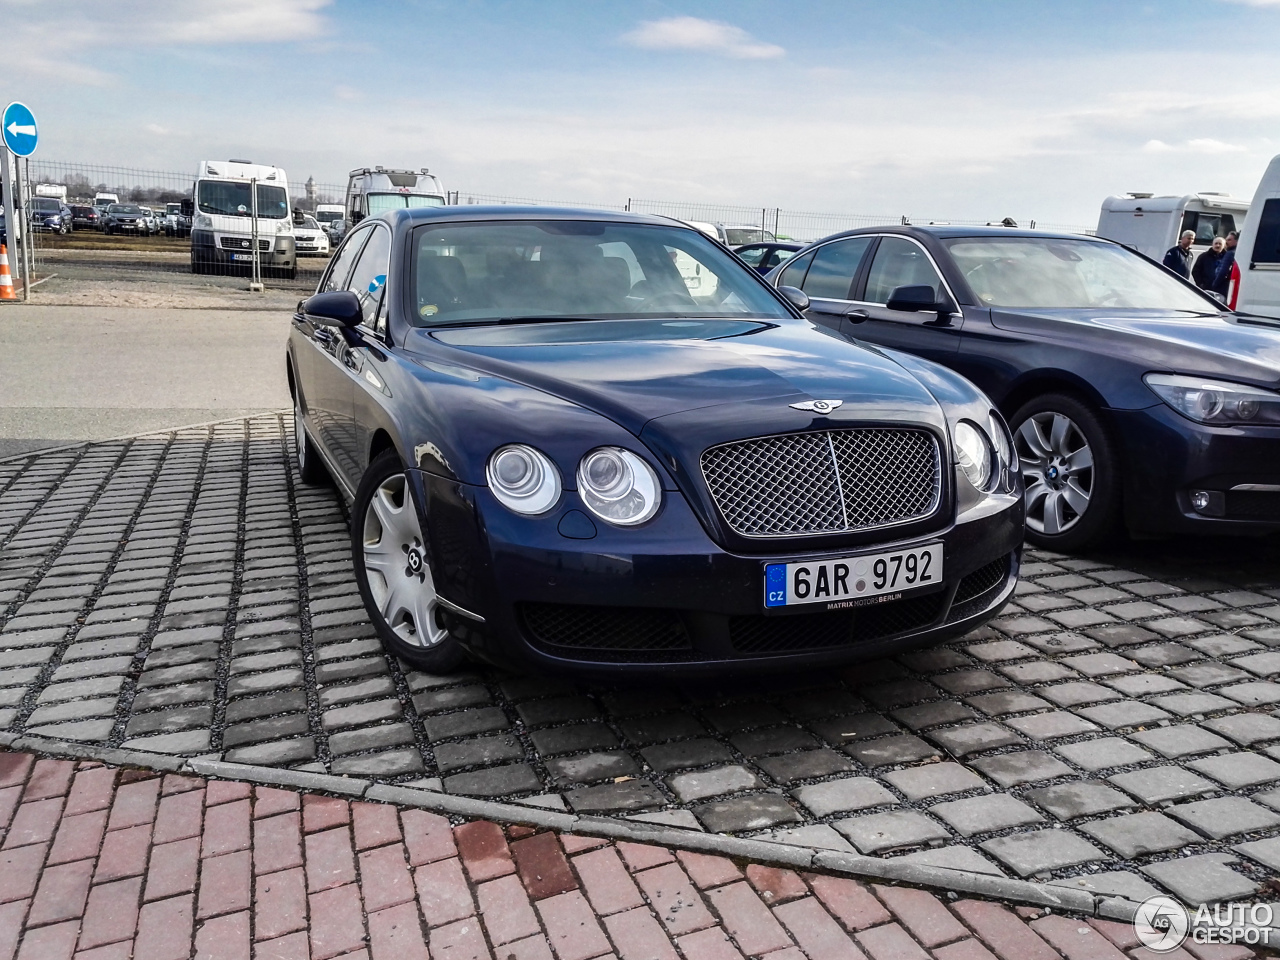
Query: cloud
point(705, 36)
point(1257, 3)
point(1198, 145)
point(345, 93)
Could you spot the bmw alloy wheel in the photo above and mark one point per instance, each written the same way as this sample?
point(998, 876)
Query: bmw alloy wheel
point(1057, 467)
point(395, 562)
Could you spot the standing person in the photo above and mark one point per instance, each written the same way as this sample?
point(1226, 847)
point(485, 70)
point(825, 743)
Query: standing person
point(1222, 274)
point(1205, 270)
point(1178, 257)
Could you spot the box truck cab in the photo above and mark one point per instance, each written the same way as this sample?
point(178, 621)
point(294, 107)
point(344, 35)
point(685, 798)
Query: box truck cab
point(223, 223)
point(1255, 286)
point(372, 191)
point(1151, 224)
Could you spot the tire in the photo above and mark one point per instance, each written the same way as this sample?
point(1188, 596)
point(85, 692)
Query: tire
point(392, 572)
point(311, 468)
point(1071, 471)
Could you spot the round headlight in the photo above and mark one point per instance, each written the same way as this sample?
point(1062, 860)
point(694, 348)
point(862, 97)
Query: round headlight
point(523, 479)
point(618, 486)
point(973, 451)
point(1000, 436)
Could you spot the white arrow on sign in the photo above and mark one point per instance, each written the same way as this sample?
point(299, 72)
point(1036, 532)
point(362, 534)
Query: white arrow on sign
point(18, 131)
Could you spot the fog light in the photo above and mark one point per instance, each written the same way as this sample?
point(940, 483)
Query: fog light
point(1200, 499)
point(1211, 503)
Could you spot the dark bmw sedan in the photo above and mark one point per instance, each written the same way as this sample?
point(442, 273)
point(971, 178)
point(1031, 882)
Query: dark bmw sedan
point(1135, 400)
point(601, 442)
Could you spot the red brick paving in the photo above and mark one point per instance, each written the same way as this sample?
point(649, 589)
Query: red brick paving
point(102, 864)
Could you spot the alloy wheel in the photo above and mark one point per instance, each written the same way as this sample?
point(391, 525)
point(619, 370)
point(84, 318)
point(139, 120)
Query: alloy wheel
point(1057, 467)
point(396, 564)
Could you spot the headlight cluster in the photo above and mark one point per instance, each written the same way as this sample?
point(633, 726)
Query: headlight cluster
point(983, 455)
point(204, 223)
point(614, 484)
point(1214, 401)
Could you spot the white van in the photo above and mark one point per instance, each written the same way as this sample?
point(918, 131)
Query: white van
point(1151, 224)
point(1255, 286)
point(372, 191)
point(222, 225)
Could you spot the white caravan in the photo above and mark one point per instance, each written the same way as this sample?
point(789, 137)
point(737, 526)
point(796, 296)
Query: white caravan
point(372, 191)
point(1255, 286)
point(222, 225)
point(1151, 224)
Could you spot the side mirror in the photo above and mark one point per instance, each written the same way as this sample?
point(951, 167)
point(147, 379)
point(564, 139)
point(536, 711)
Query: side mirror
point(796, 297)
point(188, 207)
point(336, 308)
point(916, 297)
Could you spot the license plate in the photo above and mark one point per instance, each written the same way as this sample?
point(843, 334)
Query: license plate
point(851, 581)
point(242, 256)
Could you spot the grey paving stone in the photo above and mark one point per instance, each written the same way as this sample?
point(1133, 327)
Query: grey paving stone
point(1053, 725)
point(1086, 798)
point(928, 715)
point(72, 710)
point(954, 857)
point(260, 682)
point(1265, 852)
point(1178, 626)
point(999, 651)
point(615, 797)
point(1041, 851)
point(1162, 654)
point(1224, 817)
point(717, 782)
point(465, 723)
point(1265, 664)
point(557, 710)
point(1123, 714)
point(1027, 766)
point(686, 753)
point(1253, 693)
point(1201, 879)
point(934, 780)
point(169, 721)
point(985, 814)
point(78, 730)
point(1036, 671)
point(265, 661)
point(971, 681)
point(743, 716)
point(572, 739)
point(367, 689)
point(1193, 704)
point(480, 751)
point(899, 693)
point(359, 714)
point(337, 671)
point(1005, 703)
point(750, 812)
point(1111, 883)
point(1224, 645)
point(1208, 674)
point(451, 698)
point(1246, 729)
point(1155, 785)
point(887, 751)
point(1103, 753)
point(817, 836)
point(664, 726)
point(771, 740)
point(1182, 740)
point(173, 696)
point(974, 738)
point(1077, 692)
point(276, 728)
point(389, 763)
point(1144, 684)
point(277, 702)
point(186, 742)
point(185, 673)
point(494, 781)
point(80, 689)
point(377, 737)
point(843, 796)
point(790, 768)
point(1237, 770)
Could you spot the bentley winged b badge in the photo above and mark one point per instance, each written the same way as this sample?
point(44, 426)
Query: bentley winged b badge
point(816, 406)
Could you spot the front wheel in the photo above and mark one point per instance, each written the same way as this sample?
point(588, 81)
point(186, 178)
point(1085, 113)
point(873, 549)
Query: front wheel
point(1071, 472)
point(392, 571)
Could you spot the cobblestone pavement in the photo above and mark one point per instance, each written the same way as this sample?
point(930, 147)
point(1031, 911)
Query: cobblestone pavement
point(1116, 729)
point(104, 864)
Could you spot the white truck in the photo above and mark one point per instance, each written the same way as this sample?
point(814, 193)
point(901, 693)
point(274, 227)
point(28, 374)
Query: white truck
point(1151, 224)
point(372, 191)
point(223, 222)
point(1255, 275)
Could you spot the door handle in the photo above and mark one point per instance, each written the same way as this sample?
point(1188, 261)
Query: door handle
point(857, 315)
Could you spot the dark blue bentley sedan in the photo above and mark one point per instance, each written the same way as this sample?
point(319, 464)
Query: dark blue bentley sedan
point(599, 441)
point(1134, 398)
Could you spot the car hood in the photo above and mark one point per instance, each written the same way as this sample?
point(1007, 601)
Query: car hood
point(738, 374)
point(1213, 345)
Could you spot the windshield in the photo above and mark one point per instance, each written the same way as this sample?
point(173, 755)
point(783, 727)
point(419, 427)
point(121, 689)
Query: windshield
point(45, 206)
point(580, 269)
point(1051, 273)
point(231, 198)
point(382, 202)
point(128, 208)
point(739, 235)
point(309, 223)
point(328, 216)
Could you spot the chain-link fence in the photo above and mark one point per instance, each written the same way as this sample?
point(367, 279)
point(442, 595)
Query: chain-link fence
point(90, 250)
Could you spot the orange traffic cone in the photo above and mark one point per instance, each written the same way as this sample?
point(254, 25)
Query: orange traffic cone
point(6, 282)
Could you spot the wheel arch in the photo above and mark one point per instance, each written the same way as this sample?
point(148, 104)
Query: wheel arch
point(380, 443)
point(1052, 381)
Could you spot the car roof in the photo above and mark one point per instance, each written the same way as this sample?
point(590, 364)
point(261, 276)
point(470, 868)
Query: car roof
point(954, 231)
point(502, 212)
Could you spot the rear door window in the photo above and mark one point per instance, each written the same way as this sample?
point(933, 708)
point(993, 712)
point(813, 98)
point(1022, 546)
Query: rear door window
point(834, 266)
point(793, 276)
point(369, 277)
point(1266, 246)
point(898, 263)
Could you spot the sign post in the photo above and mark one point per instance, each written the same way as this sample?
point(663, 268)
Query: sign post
point(255, 270)
point(18, 127)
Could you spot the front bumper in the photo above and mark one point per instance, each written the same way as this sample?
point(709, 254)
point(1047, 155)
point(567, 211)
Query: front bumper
point(665, 598)
point(205, 248)
point(1168, 457)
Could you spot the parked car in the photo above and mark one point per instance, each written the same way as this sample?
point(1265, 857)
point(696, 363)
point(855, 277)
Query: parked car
point(48, 214)
point(1132, 395)
point(309, 237)
point(765, 256)
point(124, 218)
point(558, 454)
point(732, 234)
point(150, 221)
point(176, 223)
point(83, 215)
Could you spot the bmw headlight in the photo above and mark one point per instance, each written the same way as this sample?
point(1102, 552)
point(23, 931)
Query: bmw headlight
point(1215, 401)
point(973, 453)
point(618, 486)
point(523, 479)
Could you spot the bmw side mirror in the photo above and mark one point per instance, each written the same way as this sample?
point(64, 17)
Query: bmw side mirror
point(335, 308)
point(796, 297)
point(919, 296)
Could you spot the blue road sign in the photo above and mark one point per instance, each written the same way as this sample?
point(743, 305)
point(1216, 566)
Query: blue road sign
point(20, 129)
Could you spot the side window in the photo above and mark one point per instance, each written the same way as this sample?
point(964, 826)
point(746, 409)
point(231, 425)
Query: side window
point(369, 277)
point(340, 269)
point(1266, 246)
point(793, 276)
point(1208, 225)
point(899, 263)
point(778, 256)
point(752, 255)
point(834, 266)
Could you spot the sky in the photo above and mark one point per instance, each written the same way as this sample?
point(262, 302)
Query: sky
point(936, 109)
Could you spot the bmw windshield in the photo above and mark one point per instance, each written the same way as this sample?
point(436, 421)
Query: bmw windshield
point(1051, 273)
point(524, 270)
